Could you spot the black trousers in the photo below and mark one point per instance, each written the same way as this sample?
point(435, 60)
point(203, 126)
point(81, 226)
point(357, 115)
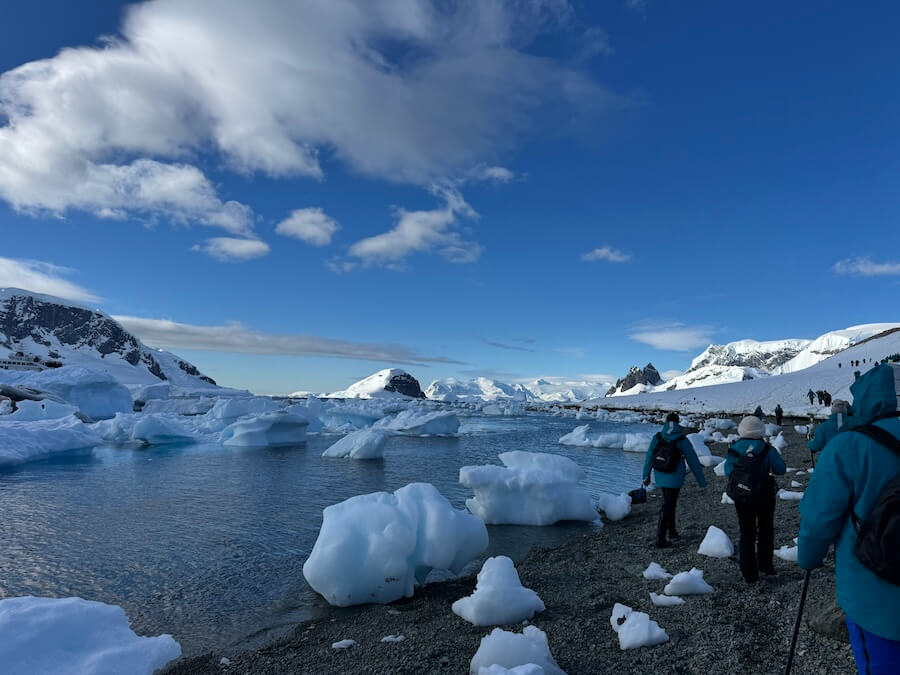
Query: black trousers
point(667, 514)
point(757, 523)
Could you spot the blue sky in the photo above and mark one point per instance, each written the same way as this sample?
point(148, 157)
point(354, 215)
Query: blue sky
point(732, 169)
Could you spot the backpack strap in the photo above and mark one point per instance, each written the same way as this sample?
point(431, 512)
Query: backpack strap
point(882, 437)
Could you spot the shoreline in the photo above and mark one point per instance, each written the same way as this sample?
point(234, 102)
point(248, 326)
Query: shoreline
point(737, 629)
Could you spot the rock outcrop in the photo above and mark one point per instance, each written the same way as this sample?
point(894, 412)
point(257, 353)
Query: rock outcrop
point(406, 384)
point(648, 375)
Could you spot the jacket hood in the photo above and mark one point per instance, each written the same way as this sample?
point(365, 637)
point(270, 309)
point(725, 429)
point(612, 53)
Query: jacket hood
point(875, 394)
point(671, 431)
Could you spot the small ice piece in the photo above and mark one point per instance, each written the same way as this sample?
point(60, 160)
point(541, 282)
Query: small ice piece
point(726, 499)
point(635, 629)
point(790, 469)
point(790, 495)
point(509, 650)
point(720, 469)
point(393, 638)
point(412, 422)
point(716, 544)
point(796, 484)
point(614, 507)
point(362, 444)
point(665, 600)
point(72, 635)
point(499, 596)
point(655, 571)
point(779, 443)
point(802, 429)
point(787, 553)
point(772, 430)
point(224, 661)
point(393, 612)
point(810, 470)
point(710, 460)
point(343, 644)
point(688, 583)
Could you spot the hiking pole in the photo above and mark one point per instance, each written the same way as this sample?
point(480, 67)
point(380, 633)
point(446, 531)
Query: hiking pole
point(790, 660)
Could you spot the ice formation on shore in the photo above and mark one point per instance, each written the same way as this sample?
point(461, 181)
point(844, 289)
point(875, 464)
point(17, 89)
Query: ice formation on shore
point(635, 629)
point(614, 507)
point(688, 583)
point(665, 600)
point(511, 650)
point(655, 571)
point(76, 636)
point(499, 596)
point(272, 430)
point(361, 444)
point(377, 547)
point(716, 544)
point(531, 489)
point(26, 441)
point(583, 437)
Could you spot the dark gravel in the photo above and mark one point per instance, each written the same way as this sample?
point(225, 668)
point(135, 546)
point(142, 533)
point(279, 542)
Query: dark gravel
point(738, 629)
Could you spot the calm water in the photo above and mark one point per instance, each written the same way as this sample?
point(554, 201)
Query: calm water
point(208, 543)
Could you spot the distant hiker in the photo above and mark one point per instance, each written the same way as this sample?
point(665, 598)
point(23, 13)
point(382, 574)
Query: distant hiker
point(856, 375)
point(759, 412)
point(819, 396)
point(779, 414)
point(826, 398)
point(810, 395)
point(839, 419)
point(851, 503)
point(666, 456)
point(749, 465)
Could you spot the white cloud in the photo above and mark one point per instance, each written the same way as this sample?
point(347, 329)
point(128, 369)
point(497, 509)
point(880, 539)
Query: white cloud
point(607, 253)
point(498, 174)
point(232, 249)
point(421, 231)
point(414, 91)
point(670, 374)
point(41, 277)
point(673, 336)
point(309, 225)
point(235, 337)
point(863, 267)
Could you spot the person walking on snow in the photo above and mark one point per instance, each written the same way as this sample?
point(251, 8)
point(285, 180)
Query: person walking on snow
point(756, 515)
point(779, 414)
point(810, 395)
point(852, 476)
point(838, 420)
point(759, 412)
point(671, 438)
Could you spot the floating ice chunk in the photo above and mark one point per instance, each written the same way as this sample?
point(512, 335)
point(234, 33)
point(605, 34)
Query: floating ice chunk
point(579, 436)
point(393, 638)
point(726, 499)
point(180, 406)
point(413, 422)
point(343, 644)
point(635, 629)
point(716, 544)
point(655, 571)
point(710, 460)
point(230, 409)
point(790, 495)
point(665, 600)
point(96, 393)
point(788, 553)
point(688, 583)
point(361, 444)
point(524, 669)
point(531, 489)
point(29, 411)
point(376, 547)
point(26, 441)
point(614, 507)
point(796, 484)
point(71, 635)
point(630, 442)
point(273, 430)
point(499, 596)
point(510, 650)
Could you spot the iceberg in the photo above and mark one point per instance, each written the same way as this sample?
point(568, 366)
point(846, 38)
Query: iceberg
point(26, 441)
point(629, 442)
point(377, 547)
point(47, 409)
point(95, 393)
point(361, 444)
point(499, 596)
point(273, 430)
point(146, 428)
point(415, 422)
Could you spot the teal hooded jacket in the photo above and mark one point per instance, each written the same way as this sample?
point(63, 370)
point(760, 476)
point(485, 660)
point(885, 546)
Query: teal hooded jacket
point(671, 431)
point(773, 457)
point(828, 430)
point(851, 472)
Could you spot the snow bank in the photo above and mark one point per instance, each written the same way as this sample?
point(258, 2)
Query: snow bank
point(26, 441)
point(614, 507)
point(635, 629)
point(78, 637)
point(376, 547)
point(790, 495)
point(531, 489)
point(499, 596)
point(273, 430)
point(510, 650)
point(413, 422)
point(665, 600)
point(655, 571)
point(688, 583)
point(716, 544)
point(361, 444)
point(630, 442)
point(96, 393)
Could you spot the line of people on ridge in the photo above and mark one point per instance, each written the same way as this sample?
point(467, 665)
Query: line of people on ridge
point(852, 502)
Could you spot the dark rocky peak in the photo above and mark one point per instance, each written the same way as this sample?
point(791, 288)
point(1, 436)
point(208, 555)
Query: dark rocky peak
point(404, 383)
point(648, 375)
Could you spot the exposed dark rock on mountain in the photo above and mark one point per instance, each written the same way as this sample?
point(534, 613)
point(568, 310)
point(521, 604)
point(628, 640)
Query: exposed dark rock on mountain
point(405, 384)
point(646, 375)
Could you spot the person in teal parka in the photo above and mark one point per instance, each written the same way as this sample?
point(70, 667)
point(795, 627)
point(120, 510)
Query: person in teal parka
point(671, 483)
point(836, 422)
point(759, 412)
point(852, 471)
point(757, 519)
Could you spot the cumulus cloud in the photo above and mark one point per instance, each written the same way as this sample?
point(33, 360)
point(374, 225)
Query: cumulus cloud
point(233, 249)
point(607, 253)
point(497, 174)
point(309, 225)
point(235, 337)
point(42, 277)
point(414, 91)
point(421, 231)
point(864, 267)
point(673, 336)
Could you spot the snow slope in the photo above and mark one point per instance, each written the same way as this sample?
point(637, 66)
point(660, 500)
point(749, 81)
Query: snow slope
point(831, 343)
point(376, 385)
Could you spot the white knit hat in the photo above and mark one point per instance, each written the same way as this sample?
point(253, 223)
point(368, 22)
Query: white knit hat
point(751, 427)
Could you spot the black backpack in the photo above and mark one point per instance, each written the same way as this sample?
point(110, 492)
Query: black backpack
point(666, 455)
point(878, 537)
point(747, 475)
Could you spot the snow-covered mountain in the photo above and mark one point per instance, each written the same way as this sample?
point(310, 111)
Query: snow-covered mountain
point(637, 380)
point(767, 355)
point(561, 390)
point(387, 382)
point(480, 388)
point(52, 332)
point(832, 343)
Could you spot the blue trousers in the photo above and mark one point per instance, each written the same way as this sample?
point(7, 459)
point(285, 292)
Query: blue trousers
point(874, 655)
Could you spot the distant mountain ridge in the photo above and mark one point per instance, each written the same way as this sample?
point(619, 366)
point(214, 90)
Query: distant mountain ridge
point(648, 376)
